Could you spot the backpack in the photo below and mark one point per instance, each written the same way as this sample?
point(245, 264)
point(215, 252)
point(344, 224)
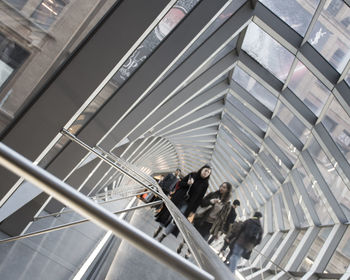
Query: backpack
point(234, 230)
point(252, 233)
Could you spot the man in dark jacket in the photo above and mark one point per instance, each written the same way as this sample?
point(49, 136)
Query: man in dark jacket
point(169, 182)
point(250, 235)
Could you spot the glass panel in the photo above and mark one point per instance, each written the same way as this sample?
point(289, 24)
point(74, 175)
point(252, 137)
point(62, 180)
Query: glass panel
point(296, 13)
point(298, 208)
point(276, 163)
point(18, 4)
point(158, 34)
point(12, 57)
point(254, 194)
point(291, 249)
point(48, 11)
point(293, 123)
point(220, 20)
point(245, 207)
point(315, 249)
point(330, 37)
point(255, 88)
point(286, 224)
point(341, 257)
point(267, 52)
point(337, 122)
point(258, 185)
point(333, 179)
point(250, 202)
point(288, 149)
point(237, 145)
point(242, 129)
point(246, 111)
point(308, 88)
point(265, 177)
point(317, 200)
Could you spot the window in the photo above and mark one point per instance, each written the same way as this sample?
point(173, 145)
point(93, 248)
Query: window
point(334, 7)
point(47, 12)
point(11, 58)
point(18, 4)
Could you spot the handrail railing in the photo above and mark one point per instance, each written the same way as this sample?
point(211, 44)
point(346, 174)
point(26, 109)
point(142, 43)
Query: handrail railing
point(84, 206)
point(203, 255)
point(275, 264)
point(152, 186)
point(101, 203)
point(51, 229)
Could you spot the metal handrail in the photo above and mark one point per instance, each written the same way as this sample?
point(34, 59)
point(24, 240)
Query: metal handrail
point(118, 166)
point(281, 268)
point(203, 255)
point(51, 229)
point(101, 203)
point(84, 206)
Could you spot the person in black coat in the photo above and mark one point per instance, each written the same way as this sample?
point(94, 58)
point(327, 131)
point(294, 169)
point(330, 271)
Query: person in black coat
point(188, 196)
point(249, 236)
point(169, 182)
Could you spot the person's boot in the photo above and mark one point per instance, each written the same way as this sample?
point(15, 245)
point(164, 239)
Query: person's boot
point(160, 239)
point(158, 230)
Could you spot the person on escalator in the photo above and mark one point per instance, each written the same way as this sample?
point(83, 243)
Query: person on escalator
point(212, 215)
point(249, 236)
point(188, 196)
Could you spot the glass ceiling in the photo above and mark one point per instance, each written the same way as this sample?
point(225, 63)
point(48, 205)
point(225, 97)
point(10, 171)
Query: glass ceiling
point(265, 104)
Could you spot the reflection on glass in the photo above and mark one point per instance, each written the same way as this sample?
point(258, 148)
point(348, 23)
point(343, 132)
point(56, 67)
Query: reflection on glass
point(314, 250)
point(337, 123)
point(48, 11)
point(238, 105)
point(308, 88)
point(316, 200)
point(270, 54)
point(341, 257)
point(293, 123)
point(333, 179)
point(255, 88)
point(296, 13)
point(168, 23)
point(12, 57)
point(287, 149)
point(330, 35)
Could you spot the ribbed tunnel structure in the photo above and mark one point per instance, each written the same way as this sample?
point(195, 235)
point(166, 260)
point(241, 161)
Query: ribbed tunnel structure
point(259, 90)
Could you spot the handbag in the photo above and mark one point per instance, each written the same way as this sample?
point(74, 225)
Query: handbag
point(201, 210)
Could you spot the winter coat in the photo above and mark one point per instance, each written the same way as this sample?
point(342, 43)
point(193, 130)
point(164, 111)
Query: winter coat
point(221, 216)
point(196, 193)
point(241, 240)
point(168, 183)
point(230, 219)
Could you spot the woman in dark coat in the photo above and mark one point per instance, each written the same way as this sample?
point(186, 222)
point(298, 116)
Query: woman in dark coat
point(187, 198)
point(212, 220)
